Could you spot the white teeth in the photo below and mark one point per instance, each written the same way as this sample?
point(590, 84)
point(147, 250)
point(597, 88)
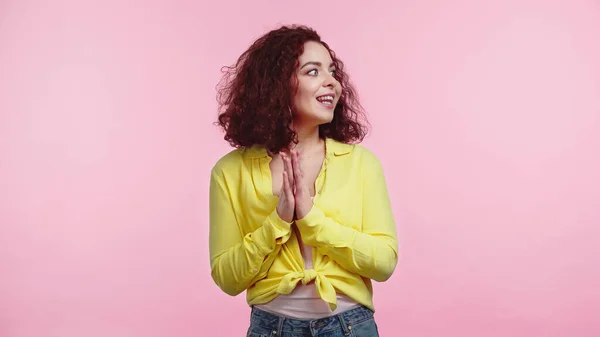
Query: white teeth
point(325, 99)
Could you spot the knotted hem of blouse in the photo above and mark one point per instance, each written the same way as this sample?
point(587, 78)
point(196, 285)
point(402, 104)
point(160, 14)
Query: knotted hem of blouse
point(324, 287)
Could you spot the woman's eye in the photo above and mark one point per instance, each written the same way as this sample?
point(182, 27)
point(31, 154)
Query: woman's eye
point(315, 72)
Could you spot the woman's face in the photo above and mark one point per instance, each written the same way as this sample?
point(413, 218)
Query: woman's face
point(318, 91)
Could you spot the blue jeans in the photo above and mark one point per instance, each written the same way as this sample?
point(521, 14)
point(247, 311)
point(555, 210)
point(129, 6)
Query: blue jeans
point(358, 322)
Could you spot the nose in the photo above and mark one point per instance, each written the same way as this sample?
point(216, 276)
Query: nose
point(329, 81)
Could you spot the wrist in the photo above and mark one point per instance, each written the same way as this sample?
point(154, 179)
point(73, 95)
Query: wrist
point(303, 210)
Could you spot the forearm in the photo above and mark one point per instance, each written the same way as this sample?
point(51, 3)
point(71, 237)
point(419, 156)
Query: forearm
point(233, 269)
point(373, 255)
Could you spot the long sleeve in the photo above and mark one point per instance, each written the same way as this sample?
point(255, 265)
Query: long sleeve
point(371, 252)
point(236, 259)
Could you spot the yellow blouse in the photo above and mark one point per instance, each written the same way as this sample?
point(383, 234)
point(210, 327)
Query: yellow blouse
point(350, 227)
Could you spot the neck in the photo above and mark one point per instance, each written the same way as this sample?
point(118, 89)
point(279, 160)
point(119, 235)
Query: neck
point(308, 140)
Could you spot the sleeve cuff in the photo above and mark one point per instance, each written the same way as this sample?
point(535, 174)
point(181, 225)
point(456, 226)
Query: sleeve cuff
point(311, 225)
point(311, 219)
point(273, 231)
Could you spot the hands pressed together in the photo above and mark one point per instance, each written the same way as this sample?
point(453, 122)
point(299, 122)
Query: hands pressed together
point(294, 200)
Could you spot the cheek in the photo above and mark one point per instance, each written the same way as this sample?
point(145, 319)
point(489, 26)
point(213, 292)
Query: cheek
point(338, 93)
point(302, 101)
point(306, 96)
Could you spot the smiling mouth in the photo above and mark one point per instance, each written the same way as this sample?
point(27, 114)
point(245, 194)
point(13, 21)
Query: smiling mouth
point(326, 100)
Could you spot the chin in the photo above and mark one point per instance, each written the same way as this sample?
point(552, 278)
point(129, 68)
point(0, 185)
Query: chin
point(323, 119)
point(317, 116)
point(328, 120)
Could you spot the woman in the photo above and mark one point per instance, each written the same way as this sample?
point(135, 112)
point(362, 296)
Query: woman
point(299, 213)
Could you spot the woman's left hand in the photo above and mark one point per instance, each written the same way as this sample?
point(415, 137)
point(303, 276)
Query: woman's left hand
point(301, 193)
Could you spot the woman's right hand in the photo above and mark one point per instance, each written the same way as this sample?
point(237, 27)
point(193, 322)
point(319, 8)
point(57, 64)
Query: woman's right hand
point(287, 202)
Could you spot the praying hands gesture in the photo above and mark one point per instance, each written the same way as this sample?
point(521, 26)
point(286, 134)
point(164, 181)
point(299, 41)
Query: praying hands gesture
point(294, 199)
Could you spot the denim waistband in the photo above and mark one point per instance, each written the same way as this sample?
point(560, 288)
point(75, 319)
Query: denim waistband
point(280, 324)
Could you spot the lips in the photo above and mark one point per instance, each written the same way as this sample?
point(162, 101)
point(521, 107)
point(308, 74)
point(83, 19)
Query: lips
point(326, 100)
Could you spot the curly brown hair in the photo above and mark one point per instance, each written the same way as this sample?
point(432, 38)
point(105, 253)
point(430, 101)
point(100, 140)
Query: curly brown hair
point(255, 94)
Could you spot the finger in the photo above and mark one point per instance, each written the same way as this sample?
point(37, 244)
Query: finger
point(299, 166)
point(284, 186)
point(287, 190)
point(287, 166)
point(298, 180)
point(296, 165)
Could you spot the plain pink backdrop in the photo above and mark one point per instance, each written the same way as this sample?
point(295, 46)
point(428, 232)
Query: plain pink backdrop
point(485, 115)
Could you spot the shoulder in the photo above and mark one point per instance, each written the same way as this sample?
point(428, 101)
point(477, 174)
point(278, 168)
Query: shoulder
point(231, 161)
point(367, 160)
point(365, 153)
point(358, 151)
point(236, 159)
point(358, 154)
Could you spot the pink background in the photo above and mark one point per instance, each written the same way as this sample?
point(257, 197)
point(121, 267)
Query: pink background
point(485, 116)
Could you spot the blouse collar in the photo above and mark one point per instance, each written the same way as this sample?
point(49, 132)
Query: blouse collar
point(332, 146)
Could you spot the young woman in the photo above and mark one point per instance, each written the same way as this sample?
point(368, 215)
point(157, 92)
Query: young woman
point(300, 216)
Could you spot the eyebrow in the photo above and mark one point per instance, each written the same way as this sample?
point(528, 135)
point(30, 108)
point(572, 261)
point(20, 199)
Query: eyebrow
point(315, 63)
